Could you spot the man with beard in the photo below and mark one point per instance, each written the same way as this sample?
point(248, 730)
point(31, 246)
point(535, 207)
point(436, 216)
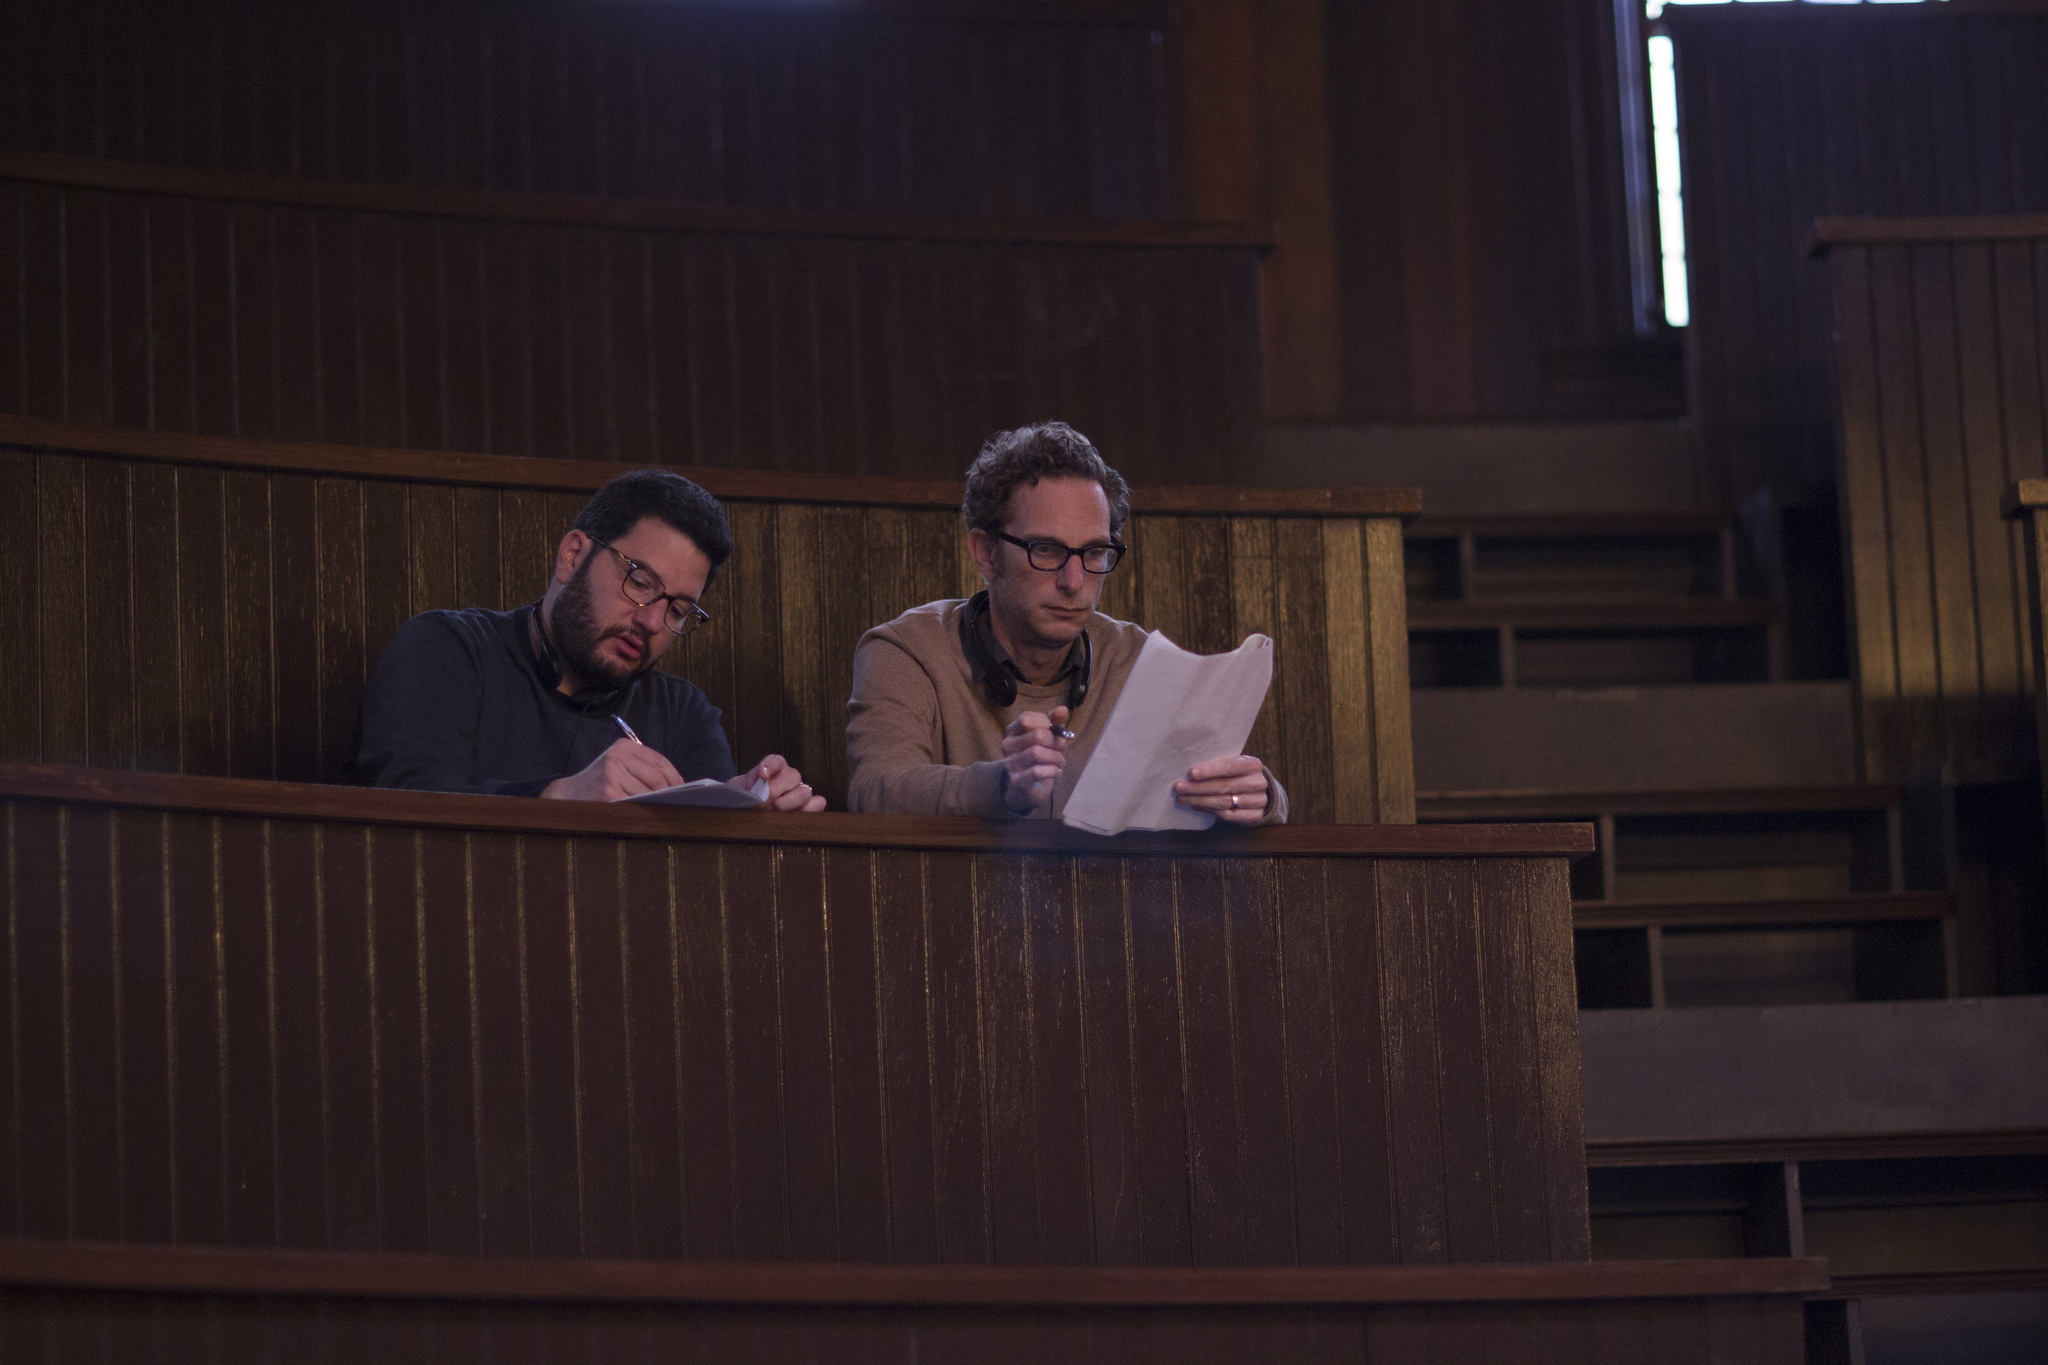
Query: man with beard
point(561, 698)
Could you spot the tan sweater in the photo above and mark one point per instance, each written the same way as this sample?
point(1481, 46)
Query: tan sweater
point(922, 739)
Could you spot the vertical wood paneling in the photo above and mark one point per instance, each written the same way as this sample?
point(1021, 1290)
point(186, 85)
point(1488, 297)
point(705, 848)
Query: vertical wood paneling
point(1937, 365)
point(564, 1045)
point(56, 1327)
point(439, 332)
point(707, 105)
point(21, 519)
point(260, 600)
point(1802, 113)
point(1163, 1194)
point(63, 640)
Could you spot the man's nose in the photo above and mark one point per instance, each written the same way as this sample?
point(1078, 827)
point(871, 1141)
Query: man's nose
point(1072, 576)
point(651, 618)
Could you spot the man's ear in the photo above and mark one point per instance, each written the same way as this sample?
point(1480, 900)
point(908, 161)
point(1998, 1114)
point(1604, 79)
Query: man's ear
point(982, 546)
point(569, 553)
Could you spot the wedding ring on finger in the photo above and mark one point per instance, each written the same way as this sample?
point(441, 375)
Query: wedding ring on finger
point(1233, 800)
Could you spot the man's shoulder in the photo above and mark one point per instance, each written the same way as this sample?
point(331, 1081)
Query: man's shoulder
point(469, 622)
point(472, 631)
point(920, 628)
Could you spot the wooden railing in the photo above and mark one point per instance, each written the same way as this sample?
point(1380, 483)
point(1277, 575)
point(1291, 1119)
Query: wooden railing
point(265, 1015)
point(201, 605)
point(1939, 346)
point(145, 1302)
point(451, 319)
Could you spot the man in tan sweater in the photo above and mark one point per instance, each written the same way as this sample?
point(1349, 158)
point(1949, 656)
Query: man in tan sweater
point(992, 706)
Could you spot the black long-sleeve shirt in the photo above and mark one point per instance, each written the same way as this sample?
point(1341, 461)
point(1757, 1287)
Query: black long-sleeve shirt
point(455, 704)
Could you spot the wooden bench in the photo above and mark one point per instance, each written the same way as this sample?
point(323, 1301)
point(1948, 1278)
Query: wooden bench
point(500, 1026)
point(204, 605)
point(1939, 346)
point(636, 331)
point(1580, 581)
point(1903, 941)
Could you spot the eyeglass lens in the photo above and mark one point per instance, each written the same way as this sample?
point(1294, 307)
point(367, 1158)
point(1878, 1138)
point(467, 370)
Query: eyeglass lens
point(1050, 556)
point(641, 588)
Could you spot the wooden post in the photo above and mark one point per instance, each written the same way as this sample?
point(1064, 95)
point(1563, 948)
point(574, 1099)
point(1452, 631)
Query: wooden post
point(2027, 503)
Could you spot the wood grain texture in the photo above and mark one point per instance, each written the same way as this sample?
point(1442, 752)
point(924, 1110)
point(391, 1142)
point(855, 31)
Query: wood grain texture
point(1853, 125)
point(167, 791)
point(273, 592)
point(398, 1276)
point(438, 321)
point(1692, 1326)
point(453, 1039)
point(700, 103)
point(1938, 365)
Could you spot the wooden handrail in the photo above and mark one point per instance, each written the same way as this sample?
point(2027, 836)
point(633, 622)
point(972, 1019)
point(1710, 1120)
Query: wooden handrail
point(583, 476)
point(2022, 497)
point(308, 801)
point(216, 1270)
point(1816, 1147)
point(1540, 805)
point(2004, 227)
point(658, 215)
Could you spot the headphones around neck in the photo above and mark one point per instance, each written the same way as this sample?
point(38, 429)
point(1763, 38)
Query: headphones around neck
point(997, 683)
point(549, 666)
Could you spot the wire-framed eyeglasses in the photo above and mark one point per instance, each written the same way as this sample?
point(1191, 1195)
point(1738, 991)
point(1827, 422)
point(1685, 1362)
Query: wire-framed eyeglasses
point(1050, 556)
point(642, 587)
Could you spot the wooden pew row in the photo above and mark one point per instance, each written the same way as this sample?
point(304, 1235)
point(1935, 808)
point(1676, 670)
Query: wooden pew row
point(1938, 354)
point(1787, 111)
point(201, 605)
point(978, 107)
point(599, 329)
point(179, 1304)
point(267, 1015)
point(1902, 942)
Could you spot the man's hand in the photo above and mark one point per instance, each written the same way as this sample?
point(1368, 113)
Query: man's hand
point(1232, 788)
point(787, 789)
point(626, 769)
point(1034, 756)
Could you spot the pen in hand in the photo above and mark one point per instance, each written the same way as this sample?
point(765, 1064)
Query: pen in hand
point(620, 721)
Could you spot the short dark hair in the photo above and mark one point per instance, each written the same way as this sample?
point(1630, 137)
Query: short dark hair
point(619, 506)
point(1044, 450)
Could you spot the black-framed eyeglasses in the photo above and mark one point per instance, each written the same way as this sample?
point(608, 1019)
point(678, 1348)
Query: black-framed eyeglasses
point(642, 587)
point(1050, 556)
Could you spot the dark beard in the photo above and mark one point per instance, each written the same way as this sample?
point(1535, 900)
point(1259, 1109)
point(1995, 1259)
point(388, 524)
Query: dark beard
point(577, 637)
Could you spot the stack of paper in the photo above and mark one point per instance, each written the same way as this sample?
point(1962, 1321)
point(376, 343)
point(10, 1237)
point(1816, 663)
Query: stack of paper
point(1176, 710)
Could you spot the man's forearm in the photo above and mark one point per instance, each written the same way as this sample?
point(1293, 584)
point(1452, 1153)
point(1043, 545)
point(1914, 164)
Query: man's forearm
point(930, 789)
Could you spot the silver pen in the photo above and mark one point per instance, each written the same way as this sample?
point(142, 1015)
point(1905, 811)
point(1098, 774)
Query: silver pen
point(620, 721)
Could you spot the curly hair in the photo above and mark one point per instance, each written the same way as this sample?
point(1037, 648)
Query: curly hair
point(1044, 450)
point(620, 505)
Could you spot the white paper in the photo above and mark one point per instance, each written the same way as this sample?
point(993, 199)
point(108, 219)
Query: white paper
point(705, 791)
point(1176, 710)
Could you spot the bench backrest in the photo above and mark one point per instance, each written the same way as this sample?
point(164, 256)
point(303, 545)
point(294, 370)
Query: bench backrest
point(212, 606)
point(1939, 346)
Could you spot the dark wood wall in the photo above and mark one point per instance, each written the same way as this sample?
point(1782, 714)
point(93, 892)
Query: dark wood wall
point(1481, 251)
point(1792, 112)
point(403, 1319)
point(1941, 353)
point(235, 595)
point(1447, 177)
point(240, 1014)
point(582, 329)
point(1018, 110)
